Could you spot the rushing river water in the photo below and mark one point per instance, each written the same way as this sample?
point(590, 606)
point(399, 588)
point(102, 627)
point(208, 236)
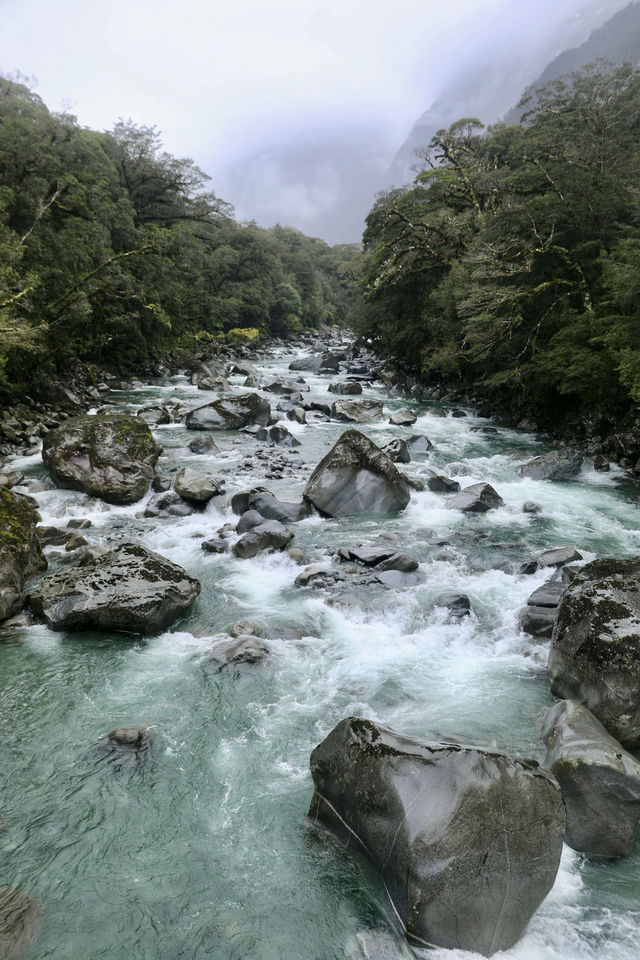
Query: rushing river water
point(201, 850)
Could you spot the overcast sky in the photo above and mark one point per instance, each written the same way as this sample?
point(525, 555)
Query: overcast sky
point(229, 80)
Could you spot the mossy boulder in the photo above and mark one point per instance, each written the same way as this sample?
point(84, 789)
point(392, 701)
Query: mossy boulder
point(125, 590)
point(20, 552)
point(595, 646)
point(243, 335)
point(111, 457)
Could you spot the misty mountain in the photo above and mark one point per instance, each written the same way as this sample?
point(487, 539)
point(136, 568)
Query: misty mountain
point(489, 86)
point(617, 41)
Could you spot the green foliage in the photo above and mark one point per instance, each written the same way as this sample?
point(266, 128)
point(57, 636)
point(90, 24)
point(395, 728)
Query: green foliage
point(514, 259)
point(112, 250)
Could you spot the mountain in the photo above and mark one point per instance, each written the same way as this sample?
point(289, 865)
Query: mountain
point(492, 82)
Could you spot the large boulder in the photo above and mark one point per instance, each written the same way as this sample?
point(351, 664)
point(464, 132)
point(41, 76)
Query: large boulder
point(127, 589)
point(556, 465)
point(595, 647)
point(356, 477)
point(356, 411)
point(110, 456)
point(600, 781)
point(20, 552)
point(467, 841)
point(230, 413)
point(477, 498)
point(195, 486)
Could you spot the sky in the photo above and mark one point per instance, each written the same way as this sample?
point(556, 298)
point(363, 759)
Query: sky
point(292, 106)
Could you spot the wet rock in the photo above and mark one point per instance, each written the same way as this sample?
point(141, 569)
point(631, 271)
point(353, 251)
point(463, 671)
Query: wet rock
point(53, 536)
point(458, 413)
point(402, 418)
point(529, 507)
point(442, 484)
point(270, 507)
point(20, 552)
point(124, 590)
point(313, 572)
point(469, 877)
point(458, 604)
point(195, 487)
point(356, 477)
point(270, 535)
point(558, 557)
point(20, 918)
point(516, 568)
point(161, 484)
point(601, 464)
point(296, 414)
point(230, 413)
point(169, 504)
point(137, 737)
point(556, 465)
point(248, 521)
point(537, 621)
point(548, 595)
point(377, 945)
point(382, 558)
point(397, 450)
point(282, 633)
point(242, 628)
point(278, 435)
point(419, 444)
point(203, 445)
point(396, 579)
point(595, 648)
point(237, 651)
point(315, 406)
point(477, 498)
point(312, 363)
point(356, 411)
point(346, 388)
point(215, 545)
point(79, 523)
point(154, 416)
point(111, 457)
point(600, 781)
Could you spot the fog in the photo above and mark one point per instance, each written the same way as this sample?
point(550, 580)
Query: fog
point(298, 109)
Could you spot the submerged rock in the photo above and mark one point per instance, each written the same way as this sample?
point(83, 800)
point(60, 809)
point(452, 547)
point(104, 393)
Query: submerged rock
point(127, 589)
point(356, 477)
point(595, 648)
point(230, 413)
point(137, 737)
point(20, 552)
point(110, 456)
point(600, 781)
point(467, 841)
point(555, 465)
point(477, 498)
point(203, 445)
point(20, 918)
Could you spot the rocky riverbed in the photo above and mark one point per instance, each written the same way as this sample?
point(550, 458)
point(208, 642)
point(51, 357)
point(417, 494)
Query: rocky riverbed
point(291, 576)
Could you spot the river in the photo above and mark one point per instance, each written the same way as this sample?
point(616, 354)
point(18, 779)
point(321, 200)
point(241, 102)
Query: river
point(201, 850)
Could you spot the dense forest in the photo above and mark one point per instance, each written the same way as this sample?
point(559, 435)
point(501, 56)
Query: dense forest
point(113, 251)
point(513, 262)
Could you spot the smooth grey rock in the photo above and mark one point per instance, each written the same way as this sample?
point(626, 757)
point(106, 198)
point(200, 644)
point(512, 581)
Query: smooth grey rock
point(396, 579)
point(458, 604)
point(397, 450)
point(270, 535)
point(356, 411)
point(234, 652)
point(169, 504)
point(160, 484)
point(230, 413)
point(537, 621)
point(477, 498)
point(547, 595)
point(215, 545)
point(316, 406)
point(195, 486)
point(111, 456)
point(558, 557)
point(297, 414)
point(458, 413)
point(442, 484)
point(203, 445)
point(271, 508)
point(402, 418)
point(556, 465)
point(530, 507)
point(20, 552)
point(516, 568)
point(595, 648)
point(600, 781)
point(154, 416)
point(419, 444)
point(467, 841)
point(349, 388)
point(356, 477)
point(248, 521)
point(127, 589)
point(278, 435)
point(20, 918)
point(242, 628)
point(313, 363)
point(382, 558)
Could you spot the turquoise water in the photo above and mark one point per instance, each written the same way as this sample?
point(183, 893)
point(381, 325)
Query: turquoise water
point(201, 849)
